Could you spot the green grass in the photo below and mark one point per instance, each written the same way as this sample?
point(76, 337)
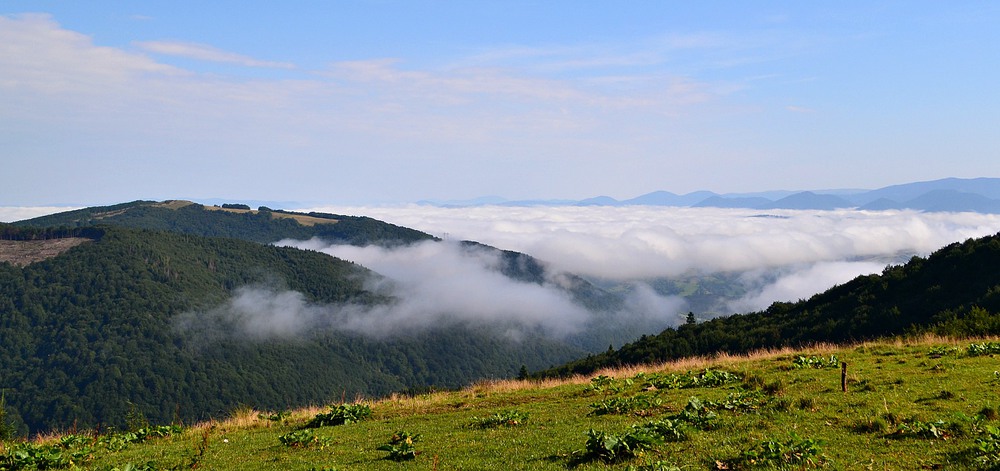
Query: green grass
point(924, 404)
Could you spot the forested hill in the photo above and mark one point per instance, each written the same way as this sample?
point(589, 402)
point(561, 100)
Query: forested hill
point(236, 221)
point(266, 225)
point(93, 334)
point(955, 291)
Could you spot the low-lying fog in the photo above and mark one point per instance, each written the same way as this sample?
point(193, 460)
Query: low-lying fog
point(780, 255)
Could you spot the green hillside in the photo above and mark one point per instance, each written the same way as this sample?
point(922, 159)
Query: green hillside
point(264, 225)
point(954, 291)
point(91, 335)
point(919, 404)
point(267, 226)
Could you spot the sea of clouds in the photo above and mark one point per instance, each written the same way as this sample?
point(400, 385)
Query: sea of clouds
point(20, 213)
point(783, 255)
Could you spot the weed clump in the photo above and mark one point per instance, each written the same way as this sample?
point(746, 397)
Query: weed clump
point(817, 362)
point(799, 452)
point(118, 441)
point(983, 348)
point(401, 446)
point(24, 455)
point(341, 414)
point(698, 413)
point(304, 439)
point(942, 350)
point(914, 428)
point(986, 451)
point(707, 378)
point(612, 448)
point(608, 385)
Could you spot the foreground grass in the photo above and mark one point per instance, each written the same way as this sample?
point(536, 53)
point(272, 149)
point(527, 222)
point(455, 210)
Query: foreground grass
point(922, 404)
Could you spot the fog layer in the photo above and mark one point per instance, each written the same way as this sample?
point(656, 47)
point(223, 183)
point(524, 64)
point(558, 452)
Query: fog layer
point(636, 242)
point(774, 256)
point(784, 255)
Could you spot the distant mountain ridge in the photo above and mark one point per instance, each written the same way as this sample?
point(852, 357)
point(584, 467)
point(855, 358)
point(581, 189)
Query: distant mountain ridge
point(980, 195)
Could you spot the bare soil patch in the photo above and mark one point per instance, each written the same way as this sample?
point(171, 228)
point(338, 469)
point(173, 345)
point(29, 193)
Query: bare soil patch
point(26, 252)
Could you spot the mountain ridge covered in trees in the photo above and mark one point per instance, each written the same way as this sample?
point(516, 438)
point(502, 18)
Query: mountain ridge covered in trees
point(264, 225)
point(91, 335)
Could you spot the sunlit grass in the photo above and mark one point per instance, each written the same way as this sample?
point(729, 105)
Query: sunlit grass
point(894, 387)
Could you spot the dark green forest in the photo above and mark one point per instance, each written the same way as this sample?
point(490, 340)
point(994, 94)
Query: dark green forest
point(267, 225)
point(88, 337)
point(955, 291)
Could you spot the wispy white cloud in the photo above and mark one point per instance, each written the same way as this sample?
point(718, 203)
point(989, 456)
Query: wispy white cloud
point(38, 55)
point(208, 53)
point(59, 76)
point(462, 86)
point(92, 110)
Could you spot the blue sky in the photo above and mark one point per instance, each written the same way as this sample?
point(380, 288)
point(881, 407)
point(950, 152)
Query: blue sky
point(366, 102)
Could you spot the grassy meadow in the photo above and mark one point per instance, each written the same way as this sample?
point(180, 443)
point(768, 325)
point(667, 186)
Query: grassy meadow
point(930, 403)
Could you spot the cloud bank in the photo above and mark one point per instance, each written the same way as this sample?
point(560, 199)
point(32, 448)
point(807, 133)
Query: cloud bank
point(626, 243)
point(20, 213)
point(774, 256)
point(784, 255)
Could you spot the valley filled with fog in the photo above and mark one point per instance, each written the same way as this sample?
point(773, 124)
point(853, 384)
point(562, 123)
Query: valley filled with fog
point(743, 260)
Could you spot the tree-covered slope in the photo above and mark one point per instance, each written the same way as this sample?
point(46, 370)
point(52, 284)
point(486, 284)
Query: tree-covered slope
point(954, 291)
point(262, 225)
point(267, 226)
point(95, 332)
